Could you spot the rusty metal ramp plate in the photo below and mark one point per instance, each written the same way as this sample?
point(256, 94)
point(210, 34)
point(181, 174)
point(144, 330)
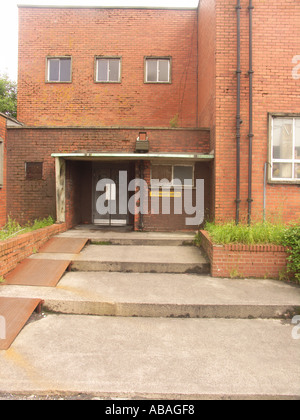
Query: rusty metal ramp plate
point(64, 245)
point(37, 272)
point(14, 313)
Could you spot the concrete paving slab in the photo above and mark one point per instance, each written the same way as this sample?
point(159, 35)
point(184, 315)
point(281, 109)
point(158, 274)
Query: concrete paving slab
point(154, 358)
point(164, 295)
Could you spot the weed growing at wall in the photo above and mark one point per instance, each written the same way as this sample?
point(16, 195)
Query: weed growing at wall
point(258, 233)
point(12, 228)
point(292, 241)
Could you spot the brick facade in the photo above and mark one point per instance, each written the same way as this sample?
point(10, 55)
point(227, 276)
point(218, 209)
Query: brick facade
point(276, 41)
point(3, 187)
point(84, 33)
point(106, 117)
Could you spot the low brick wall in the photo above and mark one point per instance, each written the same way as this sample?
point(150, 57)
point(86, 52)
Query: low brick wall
point(14, 250)
point(236, 260)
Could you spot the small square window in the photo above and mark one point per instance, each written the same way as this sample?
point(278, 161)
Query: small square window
point(34, 171)
point(172, 175)
point(59, 69)
point(157, 70)
point(108, 69)
point(183, 175)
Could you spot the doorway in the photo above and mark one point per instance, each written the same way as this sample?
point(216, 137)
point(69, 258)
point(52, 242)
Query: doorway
point(110, 181)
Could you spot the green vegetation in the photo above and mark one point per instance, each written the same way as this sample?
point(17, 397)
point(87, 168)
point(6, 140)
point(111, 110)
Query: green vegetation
point(8, 96)
point(174, 122)
point(12, 228)
point(291, 239)
point(260, 233)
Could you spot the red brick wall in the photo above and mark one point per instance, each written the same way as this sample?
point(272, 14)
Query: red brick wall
point(86, 33)
point(207, 76)
point(14, 250)
point(3, 189)
point(235, 260)
point(29, 199)
point(206, 66)
point(276, 39)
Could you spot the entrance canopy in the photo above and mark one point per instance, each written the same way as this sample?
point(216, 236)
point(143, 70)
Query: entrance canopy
point(95, 167)
point(132, 156)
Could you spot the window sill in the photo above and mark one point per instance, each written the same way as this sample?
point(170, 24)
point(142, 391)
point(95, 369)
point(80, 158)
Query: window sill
point(57, 83)
point(281, 182)
point(157, 83)
point(107, 83)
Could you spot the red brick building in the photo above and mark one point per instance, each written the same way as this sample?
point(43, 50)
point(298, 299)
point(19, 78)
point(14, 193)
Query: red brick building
point(158, 93)
point(2, 169)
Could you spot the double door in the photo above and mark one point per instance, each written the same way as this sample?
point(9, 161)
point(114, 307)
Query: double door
point(110, 200)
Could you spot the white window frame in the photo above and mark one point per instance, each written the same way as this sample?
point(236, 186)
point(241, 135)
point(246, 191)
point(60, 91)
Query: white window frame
point(293, 161)
point(97, 58)
point(48, 59)
point(158, 59)
point(171, 184)
point(1, 163)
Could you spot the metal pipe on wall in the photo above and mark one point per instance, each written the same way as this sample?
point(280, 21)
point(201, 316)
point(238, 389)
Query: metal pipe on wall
point(265, 190)
point(250, 135)
point(238, 113)
point(141, 220)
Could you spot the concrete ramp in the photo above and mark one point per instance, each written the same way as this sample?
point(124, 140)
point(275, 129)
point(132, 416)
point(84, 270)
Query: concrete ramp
point(14, 313)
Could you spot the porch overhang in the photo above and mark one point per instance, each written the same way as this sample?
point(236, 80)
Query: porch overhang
point(134, 156)
point(62, 158)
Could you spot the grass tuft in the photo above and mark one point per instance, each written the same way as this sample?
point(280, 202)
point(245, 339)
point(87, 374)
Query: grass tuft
point(13, 228)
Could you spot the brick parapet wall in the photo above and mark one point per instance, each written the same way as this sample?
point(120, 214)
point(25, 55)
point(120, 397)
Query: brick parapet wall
point(237, 260)
point(14, 250)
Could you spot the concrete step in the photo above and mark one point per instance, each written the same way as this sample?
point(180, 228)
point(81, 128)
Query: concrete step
point(141, 259)
point(154, 358)
point(125, 237)
point(164, 295)
point(135, 259)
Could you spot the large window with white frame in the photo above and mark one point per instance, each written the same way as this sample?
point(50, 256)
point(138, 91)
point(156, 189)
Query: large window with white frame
point(108, 69)
point(59, 70)
point(284, 148)
point(157, 69)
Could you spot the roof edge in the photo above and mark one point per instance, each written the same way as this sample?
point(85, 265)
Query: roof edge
point(11, 119)
point(29, 6)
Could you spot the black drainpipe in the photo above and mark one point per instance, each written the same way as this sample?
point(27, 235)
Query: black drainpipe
point(238, 113)
point(141, 221)
point(250, 135)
